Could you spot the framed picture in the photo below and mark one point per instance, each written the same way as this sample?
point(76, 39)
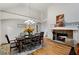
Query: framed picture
point(60, 20)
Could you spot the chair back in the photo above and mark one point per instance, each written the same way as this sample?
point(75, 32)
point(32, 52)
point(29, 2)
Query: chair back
point(41, 35)
point(7, 38)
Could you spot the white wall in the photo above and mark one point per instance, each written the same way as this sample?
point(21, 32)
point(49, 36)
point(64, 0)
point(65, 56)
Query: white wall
point(10, 27)
point(22, 11)
point(9, 22)
point(70, 11)
point(0, 30)
point(44, 26)
point(13, 28)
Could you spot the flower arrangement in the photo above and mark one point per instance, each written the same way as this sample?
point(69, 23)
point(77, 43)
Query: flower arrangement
point(29, 30)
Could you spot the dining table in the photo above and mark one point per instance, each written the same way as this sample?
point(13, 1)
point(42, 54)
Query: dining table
point(20, 41)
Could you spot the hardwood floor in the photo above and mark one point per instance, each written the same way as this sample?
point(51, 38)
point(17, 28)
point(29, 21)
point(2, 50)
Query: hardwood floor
point(52, 48)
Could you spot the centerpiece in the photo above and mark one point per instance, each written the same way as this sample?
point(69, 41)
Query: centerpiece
point(29, 30)
point(29, 26)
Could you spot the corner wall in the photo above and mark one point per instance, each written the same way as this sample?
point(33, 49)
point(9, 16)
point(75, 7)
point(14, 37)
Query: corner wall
point(70, 11)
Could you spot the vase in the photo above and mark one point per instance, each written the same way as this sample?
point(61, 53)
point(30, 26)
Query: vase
point(29, 33)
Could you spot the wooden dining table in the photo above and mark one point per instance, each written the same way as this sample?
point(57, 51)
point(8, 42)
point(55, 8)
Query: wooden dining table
point(20, 42)
point(22, 39)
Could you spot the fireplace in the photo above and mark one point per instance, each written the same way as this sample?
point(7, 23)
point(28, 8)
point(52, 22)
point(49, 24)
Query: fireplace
point(68, 36)
point(61, 36)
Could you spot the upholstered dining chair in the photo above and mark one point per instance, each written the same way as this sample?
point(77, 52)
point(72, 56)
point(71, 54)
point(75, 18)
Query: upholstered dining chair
point(41, 38)
point(35, 40)
point(13, 43)
point(27, 43)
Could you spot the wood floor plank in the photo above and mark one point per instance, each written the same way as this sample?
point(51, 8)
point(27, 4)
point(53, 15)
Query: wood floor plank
point(52, 48)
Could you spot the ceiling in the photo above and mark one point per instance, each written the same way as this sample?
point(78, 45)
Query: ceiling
point(34, 6)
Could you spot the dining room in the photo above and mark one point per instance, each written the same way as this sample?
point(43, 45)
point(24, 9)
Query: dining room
point(21, 36)
point(20, 28)
point(39, 29)
point(34, 29)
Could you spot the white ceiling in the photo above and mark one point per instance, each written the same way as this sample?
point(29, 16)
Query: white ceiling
point(34, 6)
point(7, 5)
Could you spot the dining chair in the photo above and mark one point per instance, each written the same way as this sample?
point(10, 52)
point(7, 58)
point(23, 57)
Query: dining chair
point(13, 43)
point(41, 35)
point(27, 43)
point(41, 38)
point(36, 40)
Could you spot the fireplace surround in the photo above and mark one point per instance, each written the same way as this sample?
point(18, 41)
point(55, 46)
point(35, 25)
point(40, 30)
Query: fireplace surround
point(68, 36)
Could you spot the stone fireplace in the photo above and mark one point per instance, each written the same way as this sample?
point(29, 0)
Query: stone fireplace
point(64, 35)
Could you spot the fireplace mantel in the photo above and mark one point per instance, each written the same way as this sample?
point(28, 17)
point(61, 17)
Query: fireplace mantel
point(72, 32)
point(64, 28)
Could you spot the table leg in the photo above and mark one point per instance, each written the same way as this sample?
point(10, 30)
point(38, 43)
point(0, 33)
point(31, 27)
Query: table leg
point(20, 46)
